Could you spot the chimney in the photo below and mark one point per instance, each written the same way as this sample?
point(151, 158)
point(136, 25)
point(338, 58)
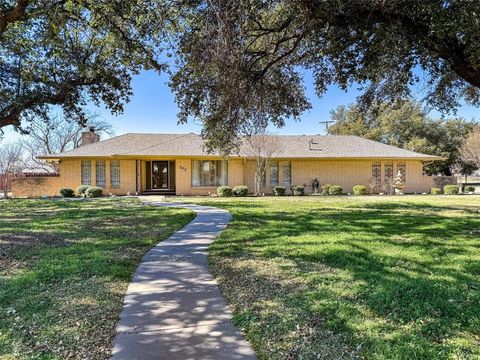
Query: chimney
point(90, 136)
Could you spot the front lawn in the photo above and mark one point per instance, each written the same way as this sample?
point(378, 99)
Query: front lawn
point(64, 270)
point(348, 277)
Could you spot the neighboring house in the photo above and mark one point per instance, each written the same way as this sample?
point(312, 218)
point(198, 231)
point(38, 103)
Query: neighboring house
point(178, 164)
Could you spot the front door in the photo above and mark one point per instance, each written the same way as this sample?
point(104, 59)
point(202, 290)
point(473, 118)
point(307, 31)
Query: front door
point(159, 174)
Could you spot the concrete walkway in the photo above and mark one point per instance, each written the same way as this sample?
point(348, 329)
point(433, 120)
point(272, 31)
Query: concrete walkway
point(173, 308)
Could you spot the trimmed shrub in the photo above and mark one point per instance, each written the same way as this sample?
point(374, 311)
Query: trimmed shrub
point(94, 192)
point(469, 189)
point(240, 190)
point(435, 191)
point(224, 191)
point(325, 188)
point(451, 189)
point(335, 190)
point(67, 193)
point(81, 189)
point(298, 190)
point(359, 190)
point(279, 190)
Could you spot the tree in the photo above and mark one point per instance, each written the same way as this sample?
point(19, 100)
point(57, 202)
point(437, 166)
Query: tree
point(470, 149)
point(65, 53)
point(239, 62)
point(10, 162)
point(405, 124)
point(261, 147)
point(53, 135)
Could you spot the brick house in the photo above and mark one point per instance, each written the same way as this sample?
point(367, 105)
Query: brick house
point(177, 164)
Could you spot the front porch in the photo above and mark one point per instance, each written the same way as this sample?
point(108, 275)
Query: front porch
point(158, 177)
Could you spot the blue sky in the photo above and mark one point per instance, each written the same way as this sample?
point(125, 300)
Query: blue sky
point(152, 109)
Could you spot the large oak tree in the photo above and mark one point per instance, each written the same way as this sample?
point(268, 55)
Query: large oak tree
point(240, 62)
point(69, 52)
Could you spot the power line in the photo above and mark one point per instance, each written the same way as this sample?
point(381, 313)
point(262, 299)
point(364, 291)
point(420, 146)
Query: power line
point(326, 123)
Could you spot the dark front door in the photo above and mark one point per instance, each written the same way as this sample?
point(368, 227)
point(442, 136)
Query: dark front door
point(159, 174)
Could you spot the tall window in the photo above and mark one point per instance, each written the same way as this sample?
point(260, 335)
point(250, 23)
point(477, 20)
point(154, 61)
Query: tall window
point(115, 173)
point(377, 172)
point(86, 172)
point(209, 172)
point(274, 173)
point(100, 173)
point(401, 169)
point(388, 171)
point(287, 174)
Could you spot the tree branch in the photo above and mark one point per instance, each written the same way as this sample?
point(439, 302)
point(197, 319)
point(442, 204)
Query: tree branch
point(12, 15)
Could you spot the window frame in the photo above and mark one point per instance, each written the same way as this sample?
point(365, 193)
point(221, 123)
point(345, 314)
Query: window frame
point(101, 173)
point(287, 182)
point(377, 171)
point(86, 172)
point(219, 179)
point(400, 166)
point(274, 165)
point(115, 173)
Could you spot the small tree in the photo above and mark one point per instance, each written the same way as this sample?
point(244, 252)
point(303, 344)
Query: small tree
point(261, 147)
point(470, 149)
point(10, 163)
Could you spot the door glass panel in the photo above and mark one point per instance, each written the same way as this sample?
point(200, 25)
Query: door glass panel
point(159, 174)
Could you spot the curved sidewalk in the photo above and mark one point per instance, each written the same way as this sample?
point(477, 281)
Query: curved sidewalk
point(173, 308)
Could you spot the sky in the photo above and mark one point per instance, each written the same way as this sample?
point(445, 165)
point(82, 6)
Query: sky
point(152, 109)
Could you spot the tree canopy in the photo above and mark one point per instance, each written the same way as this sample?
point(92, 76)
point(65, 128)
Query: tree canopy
point(69, 52)
point(406, 125)
point(239, 62)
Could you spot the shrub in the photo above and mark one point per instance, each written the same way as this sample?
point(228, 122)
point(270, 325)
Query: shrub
point(94, 192)
point(279, 190)
point(81, 189)
point(451, 189)
point(359, 190)
point(335, 190)
point(325, 188)
point(469, 189)
point(67, 192)
point(224, 191)
point(298, 190)
point(240, 190)
point(435, 191)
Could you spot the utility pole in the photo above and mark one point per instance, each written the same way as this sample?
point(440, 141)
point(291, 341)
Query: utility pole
point(326, 123)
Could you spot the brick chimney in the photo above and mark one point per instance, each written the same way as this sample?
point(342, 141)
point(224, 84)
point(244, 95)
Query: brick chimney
point(90, 136)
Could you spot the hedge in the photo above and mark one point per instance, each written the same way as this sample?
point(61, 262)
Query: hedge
point(81, 189)
point(94, 192)
point(359, 190)
point(435, 191)
point(224, 191)
point(335, 190)
point(279, 190)
point(240, 190)
point(298, 190)
point(67, 193)
point(451, 189)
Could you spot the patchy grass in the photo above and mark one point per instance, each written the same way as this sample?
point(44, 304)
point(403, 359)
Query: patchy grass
point(353, 277)
point(64, 269)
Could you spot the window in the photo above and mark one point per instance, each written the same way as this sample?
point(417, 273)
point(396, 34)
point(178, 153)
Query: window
point(401, 170)
point(377, 172)
point(100, 173)
point(86, 172)
point(388, 171)
point(274, 173)
point(115, 173)
point(287, 174)
point(209, 172)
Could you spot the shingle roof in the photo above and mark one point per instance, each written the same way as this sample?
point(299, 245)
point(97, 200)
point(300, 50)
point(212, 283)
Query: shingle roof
point(292, 146)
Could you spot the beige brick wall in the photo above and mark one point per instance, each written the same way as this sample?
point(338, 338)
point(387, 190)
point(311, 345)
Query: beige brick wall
point(346, 173)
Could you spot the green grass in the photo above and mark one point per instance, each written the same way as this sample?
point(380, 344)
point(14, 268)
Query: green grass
point(64, 270)
point(348, 277)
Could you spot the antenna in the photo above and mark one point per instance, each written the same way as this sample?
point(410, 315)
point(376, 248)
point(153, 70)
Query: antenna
point(326, 123)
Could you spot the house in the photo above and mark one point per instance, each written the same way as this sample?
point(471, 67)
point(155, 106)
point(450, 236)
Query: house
point(177, 164)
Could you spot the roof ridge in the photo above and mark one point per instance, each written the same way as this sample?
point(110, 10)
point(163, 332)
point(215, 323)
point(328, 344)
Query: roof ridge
point(161, 142)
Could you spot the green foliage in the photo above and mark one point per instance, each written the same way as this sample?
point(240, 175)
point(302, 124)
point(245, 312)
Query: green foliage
point(279, 190)
point(435, 191)
point(469, 189)
point(68, 53)
point(335, 190)
point(240, 190)
point(80, 190)
point(94, 192)
point(224, 191)
point(259, 49)
point(451, 189)
point(393, 123)
point(67, 193)
point(298, 190)
point(325, 188)
point(359, 190)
